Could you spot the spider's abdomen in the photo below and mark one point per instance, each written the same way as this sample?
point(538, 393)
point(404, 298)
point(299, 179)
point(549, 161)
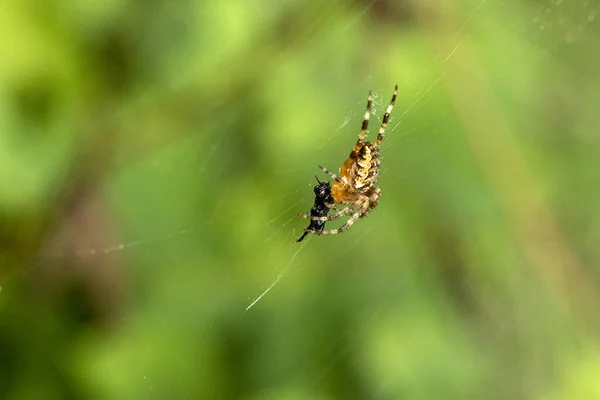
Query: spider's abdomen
point(360, 172)
point(362, 166)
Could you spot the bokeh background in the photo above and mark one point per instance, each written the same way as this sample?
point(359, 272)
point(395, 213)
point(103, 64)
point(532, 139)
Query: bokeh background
point(153, 157)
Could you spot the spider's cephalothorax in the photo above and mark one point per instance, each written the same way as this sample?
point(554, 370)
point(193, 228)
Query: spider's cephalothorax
point(323, 203)
point(354, 189)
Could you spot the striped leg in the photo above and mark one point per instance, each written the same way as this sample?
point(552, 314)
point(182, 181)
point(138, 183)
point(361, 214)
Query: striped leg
point(337, 215)
point(333, 176)
point(365, 123)
point(363, 210)
point(386, 118)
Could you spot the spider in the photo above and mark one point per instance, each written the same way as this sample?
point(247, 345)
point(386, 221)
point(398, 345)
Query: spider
point(354, 189)
point(323, 203)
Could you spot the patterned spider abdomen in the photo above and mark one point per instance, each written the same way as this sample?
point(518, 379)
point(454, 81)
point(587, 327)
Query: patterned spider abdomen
point(367, 162)
point(360, 171)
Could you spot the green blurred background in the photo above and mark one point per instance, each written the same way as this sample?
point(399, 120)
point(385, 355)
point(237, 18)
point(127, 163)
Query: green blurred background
point(153, 157)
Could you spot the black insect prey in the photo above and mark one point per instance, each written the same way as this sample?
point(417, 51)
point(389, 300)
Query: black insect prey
point(320, 208)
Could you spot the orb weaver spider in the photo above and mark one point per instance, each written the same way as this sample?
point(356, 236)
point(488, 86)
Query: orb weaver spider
point(354, 189)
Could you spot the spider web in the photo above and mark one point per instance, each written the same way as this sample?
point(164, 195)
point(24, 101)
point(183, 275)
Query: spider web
point(214, 235)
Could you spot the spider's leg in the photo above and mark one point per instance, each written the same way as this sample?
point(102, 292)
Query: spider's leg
point(374, 194)
point(372, 205)
point(333, 206)
point(333, 176)
point(386, 118)
point(337, 215)
point(362, 211)
point(365, 124)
